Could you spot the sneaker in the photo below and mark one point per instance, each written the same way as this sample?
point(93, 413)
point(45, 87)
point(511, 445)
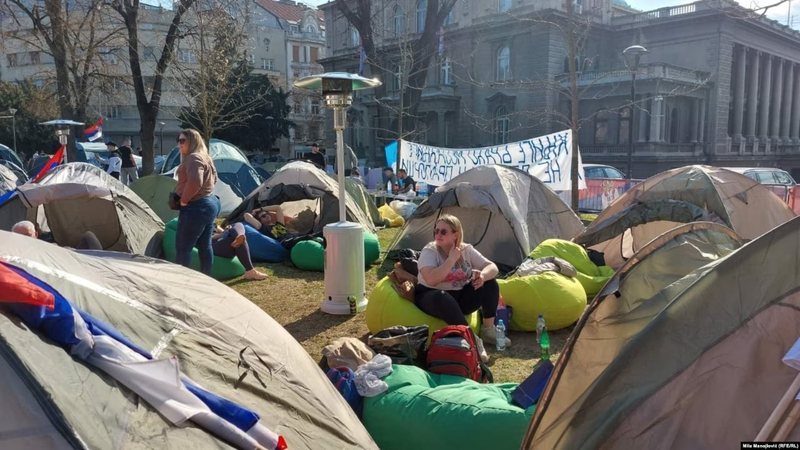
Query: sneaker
point(489, 335)
point(481, 350)
point(254, 275)
point(238, 241)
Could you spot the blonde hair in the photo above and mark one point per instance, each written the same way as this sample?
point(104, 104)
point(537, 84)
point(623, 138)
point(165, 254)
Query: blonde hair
point(194, 141)
point(455, 226)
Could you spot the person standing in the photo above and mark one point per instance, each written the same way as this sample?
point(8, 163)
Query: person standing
point(114, 161)
point(316, 156)
point(129, 173)
point(198, 206)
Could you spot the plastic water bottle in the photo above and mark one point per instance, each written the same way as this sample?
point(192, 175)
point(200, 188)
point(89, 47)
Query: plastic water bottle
point(544, 345)
point(500, 331)
point(540, 325)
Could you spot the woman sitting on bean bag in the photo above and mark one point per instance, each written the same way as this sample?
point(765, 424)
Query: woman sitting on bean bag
point(455, 279)
point(233, 242)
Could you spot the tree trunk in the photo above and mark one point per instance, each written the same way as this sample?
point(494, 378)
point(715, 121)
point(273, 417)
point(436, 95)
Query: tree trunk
point(574, 94)
point(58, 47)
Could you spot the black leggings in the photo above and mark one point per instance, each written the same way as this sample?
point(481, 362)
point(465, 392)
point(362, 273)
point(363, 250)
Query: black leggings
point(452, 306)
point(222, 246)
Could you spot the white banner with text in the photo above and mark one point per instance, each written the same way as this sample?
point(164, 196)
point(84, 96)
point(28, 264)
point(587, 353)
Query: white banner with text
point(548, 158)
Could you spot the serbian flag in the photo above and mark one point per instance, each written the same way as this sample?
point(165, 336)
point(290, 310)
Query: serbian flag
point(95, 131)
point(54, 160)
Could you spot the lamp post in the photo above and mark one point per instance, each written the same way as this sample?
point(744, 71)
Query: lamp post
point(632, 55)
point(344, 253)
point(13, 112)
point(161, 138)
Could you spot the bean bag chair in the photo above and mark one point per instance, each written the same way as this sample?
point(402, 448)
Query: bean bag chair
point(560, 299)
point(372, 248)
point(421, 410)
point(263, 248)
point(309, 255)
point(591, 276)
point(386, 308)
point(223, 268)
point(390, 217)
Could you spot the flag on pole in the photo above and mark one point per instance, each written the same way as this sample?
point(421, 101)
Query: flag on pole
point(95, 131)
point(54, 160)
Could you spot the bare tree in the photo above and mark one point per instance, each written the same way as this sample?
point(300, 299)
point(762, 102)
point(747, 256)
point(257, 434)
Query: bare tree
point(75, 35)
point(149, 105)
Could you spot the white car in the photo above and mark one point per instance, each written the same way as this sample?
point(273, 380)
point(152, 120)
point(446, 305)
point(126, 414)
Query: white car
point(602, 171)
point(766, 175)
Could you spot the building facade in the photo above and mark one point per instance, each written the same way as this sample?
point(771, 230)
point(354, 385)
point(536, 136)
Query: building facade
point(717, 86)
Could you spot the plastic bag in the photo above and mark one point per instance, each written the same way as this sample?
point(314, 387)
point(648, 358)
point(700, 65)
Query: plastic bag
point(404, 209)
point(405, 345)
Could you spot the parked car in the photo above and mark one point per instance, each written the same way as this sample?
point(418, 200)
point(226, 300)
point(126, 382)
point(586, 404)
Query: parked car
point(766, 175)
point(594, 171)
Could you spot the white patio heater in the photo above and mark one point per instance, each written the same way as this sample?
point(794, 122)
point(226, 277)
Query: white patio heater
point(62, 130)
point(344, 250)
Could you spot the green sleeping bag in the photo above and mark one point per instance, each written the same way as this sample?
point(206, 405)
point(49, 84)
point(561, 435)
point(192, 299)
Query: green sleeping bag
point(591, 276)
point(422, 411)
point(223, 268)
point(560, 299)
point(386, 308)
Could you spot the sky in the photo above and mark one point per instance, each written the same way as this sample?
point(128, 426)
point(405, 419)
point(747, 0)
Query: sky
point(778, 13)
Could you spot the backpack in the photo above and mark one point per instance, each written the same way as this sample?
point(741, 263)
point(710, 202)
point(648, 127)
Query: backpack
point(454, 351)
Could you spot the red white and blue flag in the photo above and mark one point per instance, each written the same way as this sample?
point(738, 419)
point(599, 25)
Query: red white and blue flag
point(95, 131)
point(56, 159)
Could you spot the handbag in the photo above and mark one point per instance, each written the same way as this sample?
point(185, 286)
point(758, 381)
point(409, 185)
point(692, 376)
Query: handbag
point(174, 201)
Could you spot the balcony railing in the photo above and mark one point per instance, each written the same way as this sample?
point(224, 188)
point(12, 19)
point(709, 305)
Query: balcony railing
point(643, 148)
point(659, 71)
point(661, 13)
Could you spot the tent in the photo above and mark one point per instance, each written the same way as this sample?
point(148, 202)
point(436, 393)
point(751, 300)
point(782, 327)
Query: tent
point(300, 185)
point(505, 213)
point(683, 195)
point(78, 197)
point(155, 190)
point(214, 336)
point(359, 194)
point(682, 350)
point(8, 179)
point(233, 167)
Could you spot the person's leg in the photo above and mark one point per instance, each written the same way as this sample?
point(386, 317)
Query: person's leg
point(238, 234)
point(134, 174)
point(439, 303)
point(210, 209)
point(190, 225)
point(89, 241)
point(486, 298)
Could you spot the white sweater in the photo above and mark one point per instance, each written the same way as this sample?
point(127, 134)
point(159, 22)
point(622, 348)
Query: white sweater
point(114, 164)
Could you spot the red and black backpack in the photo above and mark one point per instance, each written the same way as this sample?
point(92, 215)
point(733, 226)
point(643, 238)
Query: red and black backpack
point(454, 351)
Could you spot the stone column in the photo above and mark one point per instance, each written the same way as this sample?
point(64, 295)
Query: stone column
point(766, 92)
point(752, 95)
point(655, 110)
point(777, 92)
point(786, 105)
point(738, 93)
point(795, 132)
point(701, 128)
point(693, 119)
point(644, 120)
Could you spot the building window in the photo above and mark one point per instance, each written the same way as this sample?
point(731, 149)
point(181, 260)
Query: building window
point(294, 28)
point(184, 56)
point(267, 64)
point(314, 54)
point(446, 75)
point(107, 55)
point(500, 125)
point(422, 7)
point(150, 53)
point(355, 38)
point(295, 53)
point(35, 57)
point(266, 44)
point(315, 107)
point(503, 64)
point(624, 126)
point(451, 17)
point(399, 21)
point(313, 132)
point(12, 59)
point(396, 79)
point(600, 131)
point(298, 107)
point(311, 29)
point(504, 5)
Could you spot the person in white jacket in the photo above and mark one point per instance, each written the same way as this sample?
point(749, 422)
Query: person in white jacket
point(114, 161)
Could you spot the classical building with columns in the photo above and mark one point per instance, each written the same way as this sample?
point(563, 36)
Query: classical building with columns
point(717, 86)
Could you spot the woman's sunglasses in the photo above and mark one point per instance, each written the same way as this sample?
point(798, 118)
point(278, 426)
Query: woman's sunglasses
point(262, 216)
point(181, 140)
point(442, 231)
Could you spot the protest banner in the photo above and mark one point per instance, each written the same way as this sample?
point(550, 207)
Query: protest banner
point(548, 158)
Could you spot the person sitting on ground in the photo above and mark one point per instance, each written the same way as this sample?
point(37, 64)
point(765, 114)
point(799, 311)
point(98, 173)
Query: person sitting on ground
point(25, 227)
point(233, 242)
point(455, 279)
point(270, 221)
point(407, 184)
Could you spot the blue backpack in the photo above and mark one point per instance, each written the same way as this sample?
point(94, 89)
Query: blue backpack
point(344, 379)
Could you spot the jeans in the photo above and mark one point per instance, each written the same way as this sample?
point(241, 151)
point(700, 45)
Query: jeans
point(195, 225)
point(128, 175)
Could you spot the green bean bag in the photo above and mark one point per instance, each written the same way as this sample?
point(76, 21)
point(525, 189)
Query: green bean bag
point(560, 299)
point(386, 308)
point(421, 411)
point(372, 248)
point(223, 268)
point(309, 255)
point(591, 276)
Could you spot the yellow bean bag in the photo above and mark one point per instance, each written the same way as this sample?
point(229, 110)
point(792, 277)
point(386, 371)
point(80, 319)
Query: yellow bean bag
point(560, 299)
point(389, 216)
point(591, 276)
point(386, 308)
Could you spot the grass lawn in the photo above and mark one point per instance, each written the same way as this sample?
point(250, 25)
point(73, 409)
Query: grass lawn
point(293, 297)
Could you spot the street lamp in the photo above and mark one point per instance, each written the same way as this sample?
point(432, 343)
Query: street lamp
point(632, 55)
point(344, 252)
point(161, 138)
